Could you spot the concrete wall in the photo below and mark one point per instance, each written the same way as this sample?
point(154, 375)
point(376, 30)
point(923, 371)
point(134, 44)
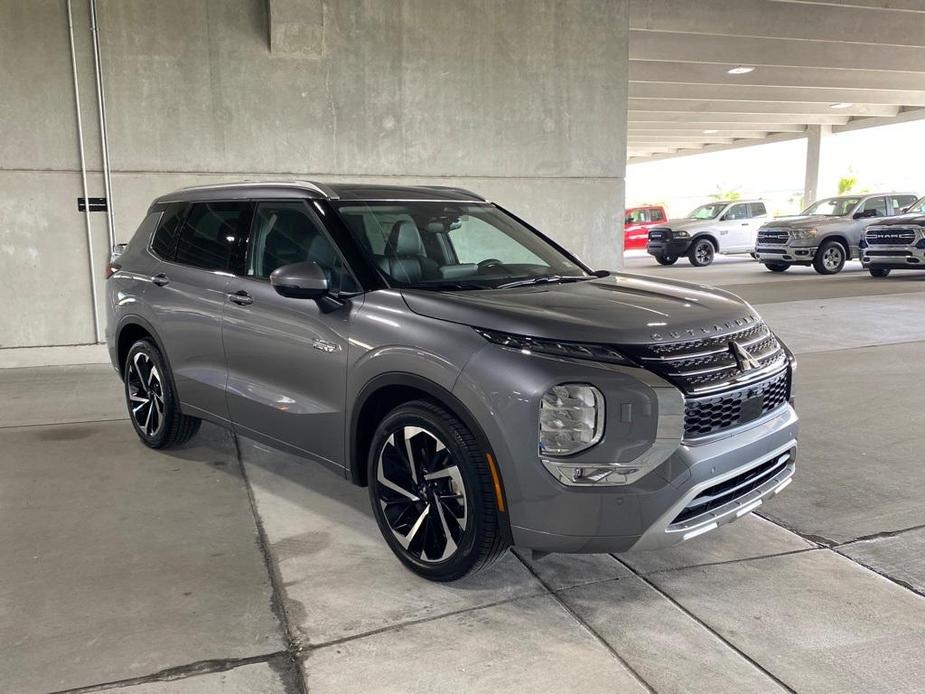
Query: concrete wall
point(521, 100)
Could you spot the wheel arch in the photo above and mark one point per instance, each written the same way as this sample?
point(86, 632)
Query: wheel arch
point(842, 239)
point(381, 395)
point(132, 328)
point(709, 236)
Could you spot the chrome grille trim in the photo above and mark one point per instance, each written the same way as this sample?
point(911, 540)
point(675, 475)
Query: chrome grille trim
point(773, 236)
point(892, 235)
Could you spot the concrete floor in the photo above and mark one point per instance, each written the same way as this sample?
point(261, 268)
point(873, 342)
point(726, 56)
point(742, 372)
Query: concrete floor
point(230, 567)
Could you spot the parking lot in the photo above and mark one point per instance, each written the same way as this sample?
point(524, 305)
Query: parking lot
point(226, 566)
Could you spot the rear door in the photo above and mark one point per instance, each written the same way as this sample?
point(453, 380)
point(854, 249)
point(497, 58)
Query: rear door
point(898, 203)
point(871, 209)
point(287, 358)
point(187, 297)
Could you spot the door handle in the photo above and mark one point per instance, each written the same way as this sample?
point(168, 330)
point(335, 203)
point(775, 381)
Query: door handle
point(241, 298)
point(160, 279)
point(744, 224)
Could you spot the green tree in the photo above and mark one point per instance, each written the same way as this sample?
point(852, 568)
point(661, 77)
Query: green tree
point(846, 184)
point(721, 194)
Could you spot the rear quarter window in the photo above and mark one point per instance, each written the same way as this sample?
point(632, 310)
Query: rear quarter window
point(165, 238)
point(210, 232)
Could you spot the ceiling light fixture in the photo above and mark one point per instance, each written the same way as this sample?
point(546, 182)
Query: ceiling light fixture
point(740, 70)
point(710, 132)
point(841, 104)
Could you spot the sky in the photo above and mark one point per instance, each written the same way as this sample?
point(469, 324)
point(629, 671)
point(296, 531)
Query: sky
point(888, 158)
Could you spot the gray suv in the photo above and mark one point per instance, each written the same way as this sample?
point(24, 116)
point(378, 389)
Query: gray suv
point(827, 233)
point(488, 387)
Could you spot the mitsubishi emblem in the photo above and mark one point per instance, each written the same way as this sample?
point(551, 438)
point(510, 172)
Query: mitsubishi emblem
point(745, 360)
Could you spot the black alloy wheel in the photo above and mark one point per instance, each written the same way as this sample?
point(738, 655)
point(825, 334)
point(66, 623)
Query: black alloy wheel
point(151, 399)
point(432, 493)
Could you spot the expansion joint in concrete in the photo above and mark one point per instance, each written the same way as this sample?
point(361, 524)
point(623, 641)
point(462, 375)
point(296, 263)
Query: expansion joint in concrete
point(600, 639)
point(278, 603)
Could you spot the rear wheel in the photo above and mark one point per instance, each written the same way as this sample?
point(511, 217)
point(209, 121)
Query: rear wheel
point(879, 271)
point(701, 253)
point(152, 402)
point(830, 258)
point(666, 259)
point(432, 493)
point(777, 267)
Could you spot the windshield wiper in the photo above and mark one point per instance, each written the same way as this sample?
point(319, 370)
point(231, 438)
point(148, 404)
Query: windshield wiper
point(543, 279)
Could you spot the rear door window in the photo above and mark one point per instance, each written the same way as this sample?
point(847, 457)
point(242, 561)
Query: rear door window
point(758, 209)
point(210, 234)
point(656, 215)
point(900, 202)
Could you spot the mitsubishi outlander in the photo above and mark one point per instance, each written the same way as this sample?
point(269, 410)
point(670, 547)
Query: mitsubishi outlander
point(487, 386)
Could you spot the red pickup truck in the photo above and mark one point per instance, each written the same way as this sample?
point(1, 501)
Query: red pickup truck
point(637, 223)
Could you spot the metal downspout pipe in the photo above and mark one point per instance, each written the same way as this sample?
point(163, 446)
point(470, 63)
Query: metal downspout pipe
point(104, 127)
point(83, 177)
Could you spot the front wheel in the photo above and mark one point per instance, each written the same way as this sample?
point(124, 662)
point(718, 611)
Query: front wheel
point(152, 402)
point(879, 271)
point(701, 253)
point(433, 493)
point(830, 258)
point(666, 259)
point(777, 267)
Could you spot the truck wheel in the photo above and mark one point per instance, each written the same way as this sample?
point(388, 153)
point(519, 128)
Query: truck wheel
point(777, 267)
point(433, 493)
point(830, 258)
point(879, 271)
point(701, 253)
point(666, 259)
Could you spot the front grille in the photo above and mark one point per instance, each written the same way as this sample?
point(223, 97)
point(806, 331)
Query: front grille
point(891, 236)
point(659, 233)
point(710, 415)
point(773, 236)
point(708, 364)
point(734, 488)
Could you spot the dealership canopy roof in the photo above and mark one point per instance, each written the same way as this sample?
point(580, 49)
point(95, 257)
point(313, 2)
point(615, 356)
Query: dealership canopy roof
point(718, 74)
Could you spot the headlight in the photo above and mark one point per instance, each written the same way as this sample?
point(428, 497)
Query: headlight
point(803, 234)
point(571, 419)
point(577, 350)
point(681, 235)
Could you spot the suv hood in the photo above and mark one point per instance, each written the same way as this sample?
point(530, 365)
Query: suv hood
point(620, 309)
point(806, 221)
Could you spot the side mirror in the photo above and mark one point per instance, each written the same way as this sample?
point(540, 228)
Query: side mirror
point(305, 280)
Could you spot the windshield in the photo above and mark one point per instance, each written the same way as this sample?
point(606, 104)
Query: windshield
point(708, 211)
point(440, 245)
point(833, 207)
point(917, 206)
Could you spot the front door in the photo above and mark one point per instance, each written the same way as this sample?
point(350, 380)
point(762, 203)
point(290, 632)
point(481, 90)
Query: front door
point(736, 229)
point(187, 297)
point(287, 358)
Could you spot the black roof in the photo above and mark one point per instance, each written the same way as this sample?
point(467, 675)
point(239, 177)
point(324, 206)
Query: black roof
point(316, 190)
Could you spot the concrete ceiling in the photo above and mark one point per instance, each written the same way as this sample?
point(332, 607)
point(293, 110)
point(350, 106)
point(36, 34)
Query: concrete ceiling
point(867, 56)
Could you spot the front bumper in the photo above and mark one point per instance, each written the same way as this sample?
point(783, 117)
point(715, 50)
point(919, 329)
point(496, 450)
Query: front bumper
point(668, 248)
point(702, 468)
point(894, 257)
point(784, 254)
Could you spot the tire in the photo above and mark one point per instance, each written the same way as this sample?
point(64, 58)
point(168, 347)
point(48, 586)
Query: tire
point(830, 258)
point(879, 272)
point(153, 407)
point(414, 521)
point(666, 259)
point(701, 253)
point(777, 267)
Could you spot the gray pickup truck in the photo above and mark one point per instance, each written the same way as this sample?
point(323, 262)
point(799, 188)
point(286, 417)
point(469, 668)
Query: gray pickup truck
point(827, 233)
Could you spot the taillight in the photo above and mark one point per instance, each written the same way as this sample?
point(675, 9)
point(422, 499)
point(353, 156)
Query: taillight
point(112, 268)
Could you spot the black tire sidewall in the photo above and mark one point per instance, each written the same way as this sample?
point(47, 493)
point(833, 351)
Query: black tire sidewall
point(666, 259)
point(171, 406)
point(777, 267)
point(818, 264)
point(467, 553)
point(692, 254)
point(879, 273)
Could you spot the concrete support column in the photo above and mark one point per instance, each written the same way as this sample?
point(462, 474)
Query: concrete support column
point(815, 144)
